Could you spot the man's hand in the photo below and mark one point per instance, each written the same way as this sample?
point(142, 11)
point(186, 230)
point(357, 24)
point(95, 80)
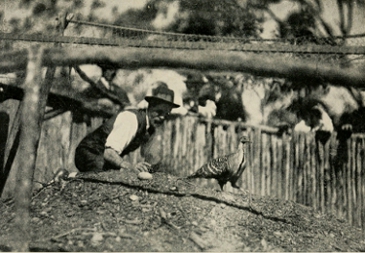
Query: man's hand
point(209, 110)
point(140, 167)
point(143, 167)
point(125, 165)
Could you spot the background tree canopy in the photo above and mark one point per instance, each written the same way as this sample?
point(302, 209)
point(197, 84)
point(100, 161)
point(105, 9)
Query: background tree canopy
point(240, 18)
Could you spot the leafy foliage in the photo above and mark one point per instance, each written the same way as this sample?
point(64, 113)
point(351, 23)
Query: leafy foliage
point(299, 27)
point(240, 18)
point(307, 24)
point(214, 17)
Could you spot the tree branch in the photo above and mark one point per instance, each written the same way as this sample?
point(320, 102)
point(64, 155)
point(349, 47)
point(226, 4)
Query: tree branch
point(105, 93)
point(317, 13)
point(273, 16)
point(342, 16)
point(58, 101)
point(319, 5)
point(350, 10)
point(326, 27)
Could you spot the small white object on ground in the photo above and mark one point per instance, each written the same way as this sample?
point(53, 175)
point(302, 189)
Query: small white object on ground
point(72, 175)
point(96, 239)
point(145, 176)
point(133, 197)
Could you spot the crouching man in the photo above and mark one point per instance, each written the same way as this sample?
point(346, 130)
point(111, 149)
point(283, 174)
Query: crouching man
point(104, 148)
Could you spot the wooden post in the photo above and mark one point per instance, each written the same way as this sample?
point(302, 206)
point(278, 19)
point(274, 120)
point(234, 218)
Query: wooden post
point(12, 142)
point(13, 132)
point(31, 119)
point(10, 149)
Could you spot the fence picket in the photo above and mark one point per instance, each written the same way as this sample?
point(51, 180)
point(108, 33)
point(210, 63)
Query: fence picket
point(333, 185)
point(359, 203)
point(362, 183)
point(315, 174)
point(348, 171)
point(269, 170)
point(352, 169)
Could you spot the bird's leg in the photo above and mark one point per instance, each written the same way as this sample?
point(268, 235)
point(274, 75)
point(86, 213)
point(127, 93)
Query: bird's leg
point(249, 197)
point(221, 185)
point(246, 193)
point(185, 181)
point(44, 184)
point(221, 191)
point(250, 200)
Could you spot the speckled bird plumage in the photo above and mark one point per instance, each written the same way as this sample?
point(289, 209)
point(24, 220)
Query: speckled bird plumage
point(228, 168)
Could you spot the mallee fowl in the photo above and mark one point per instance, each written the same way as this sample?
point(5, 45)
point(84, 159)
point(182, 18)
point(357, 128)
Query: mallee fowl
point(228, 168)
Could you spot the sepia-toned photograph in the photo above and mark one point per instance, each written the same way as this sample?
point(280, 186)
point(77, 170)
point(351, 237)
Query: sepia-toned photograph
point(182, 125)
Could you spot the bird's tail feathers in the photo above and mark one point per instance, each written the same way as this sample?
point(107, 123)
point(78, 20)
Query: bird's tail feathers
point(194, 175)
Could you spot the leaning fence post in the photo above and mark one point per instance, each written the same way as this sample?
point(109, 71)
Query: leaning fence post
point(31, 119)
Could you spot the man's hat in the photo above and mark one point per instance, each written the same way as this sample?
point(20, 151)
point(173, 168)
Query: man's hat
point(162, 94)
point(105, 66)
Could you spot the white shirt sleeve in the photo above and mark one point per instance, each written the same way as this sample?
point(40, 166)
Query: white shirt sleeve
point(124, 130)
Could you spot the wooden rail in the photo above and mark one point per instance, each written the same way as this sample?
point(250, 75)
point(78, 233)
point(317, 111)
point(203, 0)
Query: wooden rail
point(133, 58)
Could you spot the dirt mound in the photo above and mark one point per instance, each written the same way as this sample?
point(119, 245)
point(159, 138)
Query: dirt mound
point(113, 212)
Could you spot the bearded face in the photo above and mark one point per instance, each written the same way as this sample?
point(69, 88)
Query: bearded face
point(157, 113)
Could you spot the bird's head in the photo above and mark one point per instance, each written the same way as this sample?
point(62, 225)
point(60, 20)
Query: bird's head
point(244, 139)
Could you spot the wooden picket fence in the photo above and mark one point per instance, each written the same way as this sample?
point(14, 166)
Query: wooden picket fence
point(327, 177)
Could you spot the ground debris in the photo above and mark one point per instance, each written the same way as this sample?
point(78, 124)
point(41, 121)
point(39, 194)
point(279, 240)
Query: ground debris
point(95, 213)
point(198, 240)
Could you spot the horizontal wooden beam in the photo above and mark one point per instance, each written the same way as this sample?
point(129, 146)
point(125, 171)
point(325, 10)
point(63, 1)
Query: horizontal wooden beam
point(133, 58)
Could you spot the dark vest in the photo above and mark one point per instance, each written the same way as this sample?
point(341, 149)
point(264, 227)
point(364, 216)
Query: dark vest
point(95, 141)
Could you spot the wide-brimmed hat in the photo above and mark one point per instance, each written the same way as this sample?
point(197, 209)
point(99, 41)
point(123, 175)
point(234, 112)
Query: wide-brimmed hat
point(245, 139)
point(162, 94)
point(105, 66)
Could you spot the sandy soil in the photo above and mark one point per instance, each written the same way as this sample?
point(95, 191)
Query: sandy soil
point(113, 212)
